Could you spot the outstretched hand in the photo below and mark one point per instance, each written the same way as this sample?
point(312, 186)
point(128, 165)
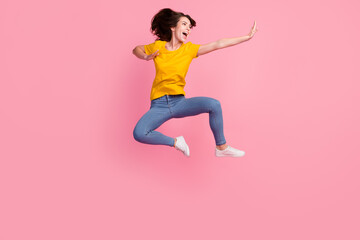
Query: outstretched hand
point(253, 30)
point(151, 56)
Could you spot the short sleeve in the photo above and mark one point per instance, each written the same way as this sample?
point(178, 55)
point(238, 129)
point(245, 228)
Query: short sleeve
point(194, 48)
point(149, 49)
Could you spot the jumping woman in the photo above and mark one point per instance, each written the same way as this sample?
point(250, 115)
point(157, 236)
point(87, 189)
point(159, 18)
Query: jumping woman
point(172, 58)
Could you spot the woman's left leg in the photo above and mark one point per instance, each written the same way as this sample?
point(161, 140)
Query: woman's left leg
point(197, 105)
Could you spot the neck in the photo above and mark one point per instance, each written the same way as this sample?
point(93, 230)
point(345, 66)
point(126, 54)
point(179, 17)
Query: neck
point(174, 44)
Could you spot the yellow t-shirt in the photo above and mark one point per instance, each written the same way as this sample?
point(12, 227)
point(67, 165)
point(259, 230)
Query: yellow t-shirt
point(171, 67)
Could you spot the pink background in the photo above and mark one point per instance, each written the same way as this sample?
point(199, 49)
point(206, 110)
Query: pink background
point(71, 92)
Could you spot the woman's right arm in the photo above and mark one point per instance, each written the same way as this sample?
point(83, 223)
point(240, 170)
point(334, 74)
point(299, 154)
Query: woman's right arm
point(139, 51)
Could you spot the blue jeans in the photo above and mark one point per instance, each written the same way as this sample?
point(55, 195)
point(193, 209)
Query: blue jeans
point(177, 106)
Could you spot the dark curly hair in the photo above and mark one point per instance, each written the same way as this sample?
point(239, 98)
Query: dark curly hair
point(164, 20)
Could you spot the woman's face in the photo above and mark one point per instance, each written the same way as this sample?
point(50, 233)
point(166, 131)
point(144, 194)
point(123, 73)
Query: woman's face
point(182, 30)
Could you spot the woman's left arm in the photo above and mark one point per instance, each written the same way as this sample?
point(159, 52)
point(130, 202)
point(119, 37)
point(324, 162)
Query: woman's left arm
point(226, 42)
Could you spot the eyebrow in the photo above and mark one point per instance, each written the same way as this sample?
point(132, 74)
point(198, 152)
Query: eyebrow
point(186, 22)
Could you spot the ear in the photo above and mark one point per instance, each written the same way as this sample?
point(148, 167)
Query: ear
point(172, 29)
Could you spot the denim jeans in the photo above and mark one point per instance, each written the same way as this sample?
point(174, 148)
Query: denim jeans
point(177, 106)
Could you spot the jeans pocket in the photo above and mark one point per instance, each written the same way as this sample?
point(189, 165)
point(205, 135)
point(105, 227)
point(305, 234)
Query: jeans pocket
point(158, 101)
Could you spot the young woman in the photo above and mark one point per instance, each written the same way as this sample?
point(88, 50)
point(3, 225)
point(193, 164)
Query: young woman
point(172, 58)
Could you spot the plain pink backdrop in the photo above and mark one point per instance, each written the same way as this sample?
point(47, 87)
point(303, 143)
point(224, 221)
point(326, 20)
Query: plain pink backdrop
point(71, 92)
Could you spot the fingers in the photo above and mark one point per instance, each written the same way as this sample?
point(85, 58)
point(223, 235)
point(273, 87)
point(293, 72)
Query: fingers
point(153, 55)
point(254, 28)
point(156, 53)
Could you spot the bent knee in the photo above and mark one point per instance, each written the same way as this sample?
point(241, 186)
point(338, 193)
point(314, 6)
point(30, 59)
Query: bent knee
point(215, 104)
point(138, 134)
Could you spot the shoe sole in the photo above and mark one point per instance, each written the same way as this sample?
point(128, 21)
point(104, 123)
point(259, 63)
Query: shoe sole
point(242, 155)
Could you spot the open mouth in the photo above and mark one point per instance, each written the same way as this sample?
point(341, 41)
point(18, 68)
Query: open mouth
point(185, 34)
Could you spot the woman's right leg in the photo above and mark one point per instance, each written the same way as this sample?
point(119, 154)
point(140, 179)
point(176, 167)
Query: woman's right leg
point(151, 120)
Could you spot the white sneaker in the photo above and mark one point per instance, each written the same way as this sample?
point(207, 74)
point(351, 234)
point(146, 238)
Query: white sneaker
point(229, 152)
point(182, 146)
